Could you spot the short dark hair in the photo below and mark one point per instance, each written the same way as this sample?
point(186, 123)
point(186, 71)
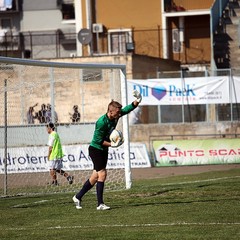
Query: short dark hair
point(114, 104)
point(51, 125)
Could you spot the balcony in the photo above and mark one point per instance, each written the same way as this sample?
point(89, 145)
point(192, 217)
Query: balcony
point(9, 43)
point(9, 7)
point(186, 5)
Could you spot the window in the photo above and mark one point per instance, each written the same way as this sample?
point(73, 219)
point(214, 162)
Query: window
point(9, 36)
point(118, 40)
point(176, 44)
point(9, 6)
point(5, 30)
point(226, 112)
point(68, 11)
point(90, 75)
point(5, 23)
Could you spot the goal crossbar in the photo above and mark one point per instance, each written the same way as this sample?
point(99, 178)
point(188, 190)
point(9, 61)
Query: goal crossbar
point(31, 62)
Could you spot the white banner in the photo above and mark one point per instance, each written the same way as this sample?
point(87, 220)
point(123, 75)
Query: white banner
point(34, 159)
point(235, 89)
point(178, 91)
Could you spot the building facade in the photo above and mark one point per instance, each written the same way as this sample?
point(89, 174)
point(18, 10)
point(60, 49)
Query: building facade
point(177, 30)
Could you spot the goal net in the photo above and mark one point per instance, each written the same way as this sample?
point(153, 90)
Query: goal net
point(73, 96)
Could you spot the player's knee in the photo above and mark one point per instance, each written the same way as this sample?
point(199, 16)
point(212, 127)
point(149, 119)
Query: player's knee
point(61, 172)
point(93, 180)
point(52, 172)
point(102, 175)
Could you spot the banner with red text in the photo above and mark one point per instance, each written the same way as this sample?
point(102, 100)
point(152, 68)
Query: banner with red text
point(196, 152)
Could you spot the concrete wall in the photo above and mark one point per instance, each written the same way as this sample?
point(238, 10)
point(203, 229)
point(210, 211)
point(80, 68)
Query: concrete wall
point(29, 5)
point(41, 16)
point(36, 135)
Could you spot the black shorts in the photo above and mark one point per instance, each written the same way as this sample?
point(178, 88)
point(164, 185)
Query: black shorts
point(99, 158)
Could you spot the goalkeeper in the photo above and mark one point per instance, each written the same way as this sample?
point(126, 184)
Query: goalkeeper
point(98, 149)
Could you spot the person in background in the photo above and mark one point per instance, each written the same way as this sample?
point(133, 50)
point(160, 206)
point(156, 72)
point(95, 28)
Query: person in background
point(75, 116)
point(30, 114)
point(49, 114)
point(41, 115)
point(55, 155)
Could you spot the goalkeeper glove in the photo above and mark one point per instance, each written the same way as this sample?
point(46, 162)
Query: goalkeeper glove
point(137, 95)
point(118, 143)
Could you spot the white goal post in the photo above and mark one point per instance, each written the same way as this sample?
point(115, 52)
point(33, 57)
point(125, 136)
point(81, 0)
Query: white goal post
point(29, 84)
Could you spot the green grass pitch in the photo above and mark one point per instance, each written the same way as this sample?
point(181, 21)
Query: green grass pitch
point(202, 206)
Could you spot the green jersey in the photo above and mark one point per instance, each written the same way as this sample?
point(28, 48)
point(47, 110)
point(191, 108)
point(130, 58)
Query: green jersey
point(104, 127)
point(55, 143)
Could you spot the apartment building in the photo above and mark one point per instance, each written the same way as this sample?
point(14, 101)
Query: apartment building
point(177, 30)
point(37, 29)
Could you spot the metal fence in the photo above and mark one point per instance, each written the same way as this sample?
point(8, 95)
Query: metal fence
point(38, 45)
point(59, 44)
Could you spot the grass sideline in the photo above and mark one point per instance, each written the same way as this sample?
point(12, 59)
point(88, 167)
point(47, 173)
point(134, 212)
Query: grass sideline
point(201, 206)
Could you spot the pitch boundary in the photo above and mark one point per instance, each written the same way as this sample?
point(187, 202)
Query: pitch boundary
point(199, 181)
point(131, 225)
point(29, 204)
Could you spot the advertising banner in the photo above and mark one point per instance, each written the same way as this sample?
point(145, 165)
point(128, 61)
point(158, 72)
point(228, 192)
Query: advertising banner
point(178, 91)
point(34, 159)
point(235, 89)
point(196, 152)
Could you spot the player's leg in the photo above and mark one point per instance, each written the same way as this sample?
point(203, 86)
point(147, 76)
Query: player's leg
point(87, 185)
point(53, 175)
point(62, 172)
point(102, 175)
point(66, 175)
point(95, 155)
point(85, 188)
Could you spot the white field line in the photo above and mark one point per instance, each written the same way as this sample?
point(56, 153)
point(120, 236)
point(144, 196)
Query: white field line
point(131, 225)
point(199, 181)
point(28, 204)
